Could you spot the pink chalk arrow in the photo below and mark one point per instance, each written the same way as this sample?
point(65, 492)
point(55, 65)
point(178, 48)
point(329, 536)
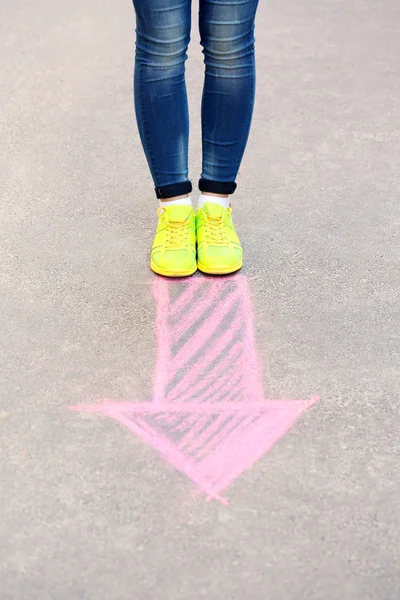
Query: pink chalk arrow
point(208, 417)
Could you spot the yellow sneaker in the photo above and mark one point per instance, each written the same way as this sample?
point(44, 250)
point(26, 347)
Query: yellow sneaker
point(174, 249)
point(218, 247)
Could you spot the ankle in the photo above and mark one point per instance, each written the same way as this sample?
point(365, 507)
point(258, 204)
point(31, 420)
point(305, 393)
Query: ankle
point(221, 199)
point(184, 200)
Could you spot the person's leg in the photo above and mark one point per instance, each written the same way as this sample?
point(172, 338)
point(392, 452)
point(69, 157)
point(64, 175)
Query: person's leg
point(227, 36)
point(161, 106)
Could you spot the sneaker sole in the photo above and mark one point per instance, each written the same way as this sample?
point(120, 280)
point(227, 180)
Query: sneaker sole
point(168, 273)
point(211, 271)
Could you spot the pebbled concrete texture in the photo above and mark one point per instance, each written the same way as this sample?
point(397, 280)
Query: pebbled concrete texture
point(89, 511)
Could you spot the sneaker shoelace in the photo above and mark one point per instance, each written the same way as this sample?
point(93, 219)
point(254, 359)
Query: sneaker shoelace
point(176, 232)
point(216, 229)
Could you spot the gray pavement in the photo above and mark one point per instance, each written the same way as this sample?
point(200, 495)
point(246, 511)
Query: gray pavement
point(88, 510)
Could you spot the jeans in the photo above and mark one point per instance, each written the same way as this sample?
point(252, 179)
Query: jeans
point(161, 104)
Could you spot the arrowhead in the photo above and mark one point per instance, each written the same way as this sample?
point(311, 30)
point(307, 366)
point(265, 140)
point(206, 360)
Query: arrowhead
point(206, 417)
point(211, 443)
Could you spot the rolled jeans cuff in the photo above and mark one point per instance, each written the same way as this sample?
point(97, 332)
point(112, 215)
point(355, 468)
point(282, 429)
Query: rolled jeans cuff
point(217, 187)
point(174, 189)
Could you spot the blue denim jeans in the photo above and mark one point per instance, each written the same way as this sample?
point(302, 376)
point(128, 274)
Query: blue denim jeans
point(161, 104)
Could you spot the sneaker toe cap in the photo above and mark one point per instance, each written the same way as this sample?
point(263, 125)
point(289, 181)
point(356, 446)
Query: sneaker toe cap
point(221, 257)
point(176, 261)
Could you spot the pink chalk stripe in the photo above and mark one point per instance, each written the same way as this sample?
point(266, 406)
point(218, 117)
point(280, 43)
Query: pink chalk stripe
point(229, 391)
point(187, 422)
point(205, 332)
point(220, 377)
point(186, 440)
point(213, 374)
point(207, 359)
point(216, 441)
point(170, 419)
point(229, 382)
point(186, 298)
point(200, 307)
point(164, 332)
point(200, 442)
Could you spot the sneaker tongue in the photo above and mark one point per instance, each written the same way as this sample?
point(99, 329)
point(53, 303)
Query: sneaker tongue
point(178, 213)
point(213, 210)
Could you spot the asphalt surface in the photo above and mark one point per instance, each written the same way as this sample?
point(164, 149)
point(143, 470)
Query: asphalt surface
point(89, 511)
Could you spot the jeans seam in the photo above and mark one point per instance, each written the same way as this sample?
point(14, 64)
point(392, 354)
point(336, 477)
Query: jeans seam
point(250, 116)
point(148, 150)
